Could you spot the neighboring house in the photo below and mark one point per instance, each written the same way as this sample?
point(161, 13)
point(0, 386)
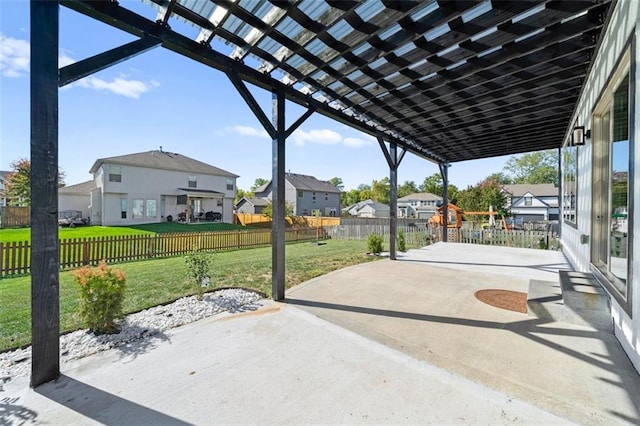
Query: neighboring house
point(3, 177)
point(251, 205)
point(421, 205)
point(368, 208)
point(532, 203)
point(76, 197)
point(308, 195)
point(157, 186)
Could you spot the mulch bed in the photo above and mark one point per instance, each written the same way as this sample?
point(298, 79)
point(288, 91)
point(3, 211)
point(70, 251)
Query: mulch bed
point(504, 299)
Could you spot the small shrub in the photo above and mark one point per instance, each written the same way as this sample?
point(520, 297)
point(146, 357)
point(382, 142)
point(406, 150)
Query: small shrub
point(402, 243)
point(101, 296)
point(374, 243)
point(198, 266)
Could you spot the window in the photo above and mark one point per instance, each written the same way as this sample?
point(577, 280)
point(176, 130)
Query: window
point(313, 197)
point(115, 174)
point(151, 209)
point(612, 188)
point(229, 184)
point(219, 203)
point(569, 183)
point(193, 181)
point(326, 196)
point(123, 208)
point(528, 201)
point(137, 208)
point(300, 193)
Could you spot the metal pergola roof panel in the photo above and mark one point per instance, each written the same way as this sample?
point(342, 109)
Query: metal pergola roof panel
point(447, 80)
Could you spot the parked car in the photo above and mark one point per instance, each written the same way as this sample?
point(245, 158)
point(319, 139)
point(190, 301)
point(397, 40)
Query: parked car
point(71, 218)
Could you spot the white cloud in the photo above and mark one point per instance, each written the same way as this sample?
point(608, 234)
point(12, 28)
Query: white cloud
point(15, 59)
point(249, 131)
point(322, 136)
point(14, 56)
point(119, 85)
point(356, 142)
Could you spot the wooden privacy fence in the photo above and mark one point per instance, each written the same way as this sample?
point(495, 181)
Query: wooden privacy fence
point(15, 217)
point(301, 221)
point(15, 257)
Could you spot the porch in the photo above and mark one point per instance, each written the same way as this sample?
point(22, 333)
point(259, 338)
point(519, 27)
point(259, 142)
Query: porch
point(383, 342)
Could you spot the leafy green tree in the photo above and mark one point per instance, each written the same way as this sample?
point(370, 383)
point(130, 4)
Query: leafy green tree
point(381, 190)
point(534, 167)
point(499, 177)
point(407, 188)
point(258, 183)
point(350, 197)
point(481, 196)
point(17, 185)
point(365, 192)
point(268, 209)
point(432, 184)
point(337, 182)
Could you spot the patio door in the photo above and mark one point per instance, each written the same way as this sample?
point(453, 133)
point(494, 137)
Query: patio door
point(611, 199)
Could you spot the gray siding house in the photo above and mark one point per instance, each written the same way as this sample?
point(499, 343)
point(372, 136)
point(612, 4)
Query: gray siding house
point(308, 195)
point(251, 205)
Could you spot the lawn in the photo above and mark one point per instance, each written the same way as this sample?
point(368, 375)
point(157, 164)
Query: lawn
point(153, 282)
point(24, 234)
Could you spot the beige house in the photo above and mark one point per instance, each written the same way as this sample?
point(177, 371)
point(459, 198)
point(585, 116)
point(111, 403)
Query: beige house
point(76, 197)
point(158, 186)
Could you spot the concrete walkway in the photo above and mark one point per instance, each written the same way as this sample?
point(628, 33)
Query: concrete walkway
point(384, 342)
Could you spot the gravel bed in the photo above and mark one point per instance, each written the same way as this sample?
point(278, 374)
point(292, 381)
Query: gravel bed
point(148, 324)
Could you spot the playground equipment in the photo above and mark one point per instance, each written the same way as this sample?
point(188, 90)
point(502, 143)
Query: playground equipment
point(455, 215)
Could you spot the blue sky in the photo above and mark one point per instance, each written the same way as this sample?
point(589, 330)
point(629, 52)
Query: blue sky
point(160, 98)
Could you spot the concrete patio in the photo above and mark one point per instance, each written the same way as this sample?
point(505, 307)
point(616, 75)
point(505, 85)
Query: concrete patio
point(383, 342)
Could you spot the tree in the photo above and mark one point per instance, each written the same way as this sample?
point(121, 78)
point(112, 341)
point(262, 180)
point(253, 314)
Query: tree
point(337, 182)
point(407, 188)
point(432, 184)
point(350, 197)
point(17, 186)
point(241, 193)
point(534, 167)
point(258, 183)
point(499, 177)
point(481, 196)
point(381, 190)
point(268, 209)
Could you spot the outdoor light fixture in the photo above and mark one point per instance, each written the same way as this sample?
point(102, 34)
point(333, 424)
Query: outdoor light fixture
point(580, 136)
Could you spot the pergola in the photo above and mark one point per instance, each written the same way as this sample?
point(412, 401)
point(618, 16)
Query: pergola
point(446, 80)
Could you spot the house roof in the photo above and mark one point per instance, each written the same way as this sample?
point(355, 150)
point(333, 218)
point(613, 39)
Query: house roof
point(78, 188)
point(537, 190)
point(303, 182)
point(375, 205)
point(257, 202)
point(4, 174)
point(421, 196)
point(162, 160)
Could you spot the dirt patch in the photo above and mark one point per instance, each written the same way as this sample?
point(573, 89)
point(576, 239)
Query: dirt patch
point(504, 299)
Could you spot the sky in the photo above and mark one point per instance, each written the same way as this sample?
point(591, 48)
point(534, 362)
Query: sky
point(162, 99)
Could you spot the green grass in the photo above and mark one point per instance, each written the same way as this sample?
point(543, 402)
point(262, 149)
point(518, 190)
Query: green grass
point(24, 234)
point(153, 282)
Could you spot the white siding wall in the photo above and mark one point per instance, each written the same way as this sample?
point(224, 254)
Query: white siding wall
point(622, 25)
point(152, 184)
point(79, 202)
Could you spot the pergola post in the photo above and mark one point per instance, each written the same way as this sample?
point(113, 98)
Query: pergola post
point(444, 172)
point(278, 198)
point(45, 259)
point(393, 160)
point(279, 134)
